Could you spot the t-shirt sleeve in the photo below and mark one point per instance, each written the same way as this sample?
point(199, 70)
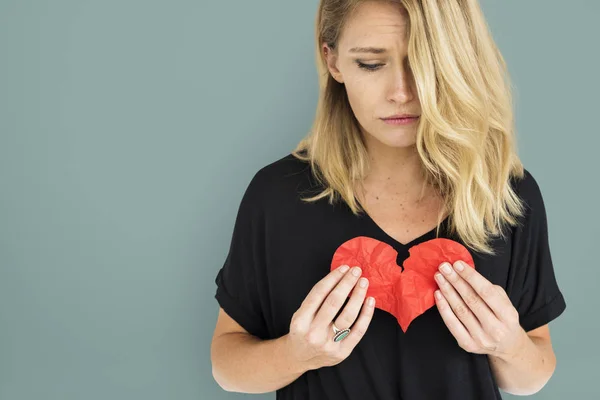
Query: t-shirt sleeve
point(536, 294)
point(238, 281)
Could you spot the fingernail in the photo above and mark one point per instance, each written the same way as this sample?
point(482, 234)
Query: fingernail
point(446, 268)
point(459, 266)
point(344, 268)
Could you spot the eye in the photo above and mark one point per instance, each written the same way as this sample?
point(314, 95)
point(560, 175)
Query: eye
point(369, 67)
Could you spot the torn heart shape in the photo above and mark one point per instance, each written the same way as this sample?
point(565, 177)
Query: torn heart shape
point(405, 293)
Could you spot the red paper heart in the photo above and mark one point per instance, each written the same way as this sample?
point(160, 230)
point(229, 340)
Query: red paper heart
point(405, 293)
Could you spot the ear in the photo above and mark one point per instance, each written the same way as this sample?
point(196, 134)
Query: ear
point(332, 58)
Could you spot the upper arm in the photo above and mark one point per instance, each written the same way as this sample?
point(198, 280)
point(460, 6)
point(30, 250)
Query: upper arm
point(226, 324)
point(532, 287)
point(242, 281)
point(543, 332)
point(542, 338)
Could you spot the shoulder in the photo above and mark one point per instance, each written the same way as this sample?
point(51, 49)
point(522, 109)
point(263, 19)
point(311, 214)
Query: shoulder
point(529, 191)
point(279, 179)
point(286, 168)
point(525, 185)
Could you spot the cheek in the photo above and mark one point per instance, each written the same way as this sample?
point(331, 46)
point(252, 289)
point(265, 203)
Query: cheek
point(363, 98)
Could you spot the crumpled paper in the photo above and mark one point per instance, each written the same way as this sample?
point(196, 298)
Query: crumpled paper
point(405, 292)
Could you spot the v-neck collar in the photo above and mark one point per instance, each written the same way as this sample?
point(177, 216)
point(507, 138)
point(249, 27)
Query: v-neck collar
point(421, 238)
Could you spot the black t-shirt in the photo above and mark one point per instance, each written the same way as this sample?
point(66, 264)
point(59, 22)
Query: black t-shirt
point(281, 247)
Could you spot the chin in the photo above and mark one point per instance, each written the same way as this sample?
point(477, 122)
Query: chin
point(391, 136)
point(397, 139)
point(402, 144)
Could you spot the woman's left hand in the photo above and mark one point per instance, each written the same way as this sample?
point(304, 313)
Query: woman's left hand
point(478, 313)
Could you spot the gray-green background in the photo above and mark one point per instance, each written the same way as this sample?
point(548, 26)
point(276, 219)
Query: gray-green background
point(128, 132)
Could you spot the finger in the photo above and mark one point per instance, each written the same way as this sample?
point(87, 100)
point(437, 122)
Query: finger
point(311, 303)
point(458, 308)
point(359, 328)
point(335, 299)
point(493, 295)
point(470, 297)
point(350, 312)
point(460, 333)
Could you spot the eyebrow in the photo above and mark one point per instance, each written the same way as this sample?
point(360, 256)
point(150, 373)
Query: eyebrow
point(374, 50)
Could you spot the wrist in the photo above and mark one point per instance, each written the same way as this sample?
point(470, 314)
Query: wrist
point(298, 366)
point(520, 345)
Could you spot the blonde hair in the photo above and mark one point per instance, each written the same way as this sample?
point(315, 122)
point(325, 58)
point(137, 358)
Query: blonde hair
point(466, 135)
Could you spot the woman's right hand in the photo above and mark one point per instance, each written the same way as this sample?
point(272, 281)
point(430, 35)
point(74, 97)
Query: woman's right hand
point(310, 340)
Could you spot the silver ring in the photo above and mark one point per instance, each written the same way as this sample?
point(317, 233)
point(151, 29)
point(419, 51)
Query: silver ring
point(340, 334)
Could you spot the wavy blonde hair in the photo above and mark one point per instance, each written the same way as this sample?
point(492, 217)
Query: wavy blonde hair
point(466, 137)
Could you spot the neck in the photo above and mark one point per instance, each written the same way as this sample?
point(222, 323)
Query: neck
point(397, 175)
point(395, 168)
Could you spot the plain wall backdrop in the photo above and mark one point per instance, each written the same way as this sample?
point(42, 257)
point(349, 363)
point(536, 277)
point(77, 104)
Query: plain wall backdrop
point(128, 132)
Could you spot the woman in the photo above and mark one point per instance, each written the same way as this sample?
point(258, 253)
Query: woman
point(448, 168)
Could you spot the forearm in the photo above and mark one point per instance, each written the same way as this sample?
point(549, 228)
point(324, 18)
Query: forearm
point(527, 371)
point(245, 364)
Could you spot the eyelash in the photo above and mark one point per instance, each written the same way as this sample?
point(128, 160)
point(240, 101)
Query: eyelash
point(369, 67)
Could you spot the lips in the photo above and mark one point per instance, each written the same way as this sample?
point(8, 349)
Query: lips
point(402, 116)
point(400, 119)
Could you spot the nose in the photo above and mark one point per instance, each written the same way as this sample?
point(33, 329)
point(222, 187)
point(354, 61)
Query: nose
point(401, 89)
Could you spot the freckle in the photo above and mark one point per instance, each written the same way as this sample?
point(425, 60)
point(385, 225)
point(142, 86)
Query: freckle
point(377, 197)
